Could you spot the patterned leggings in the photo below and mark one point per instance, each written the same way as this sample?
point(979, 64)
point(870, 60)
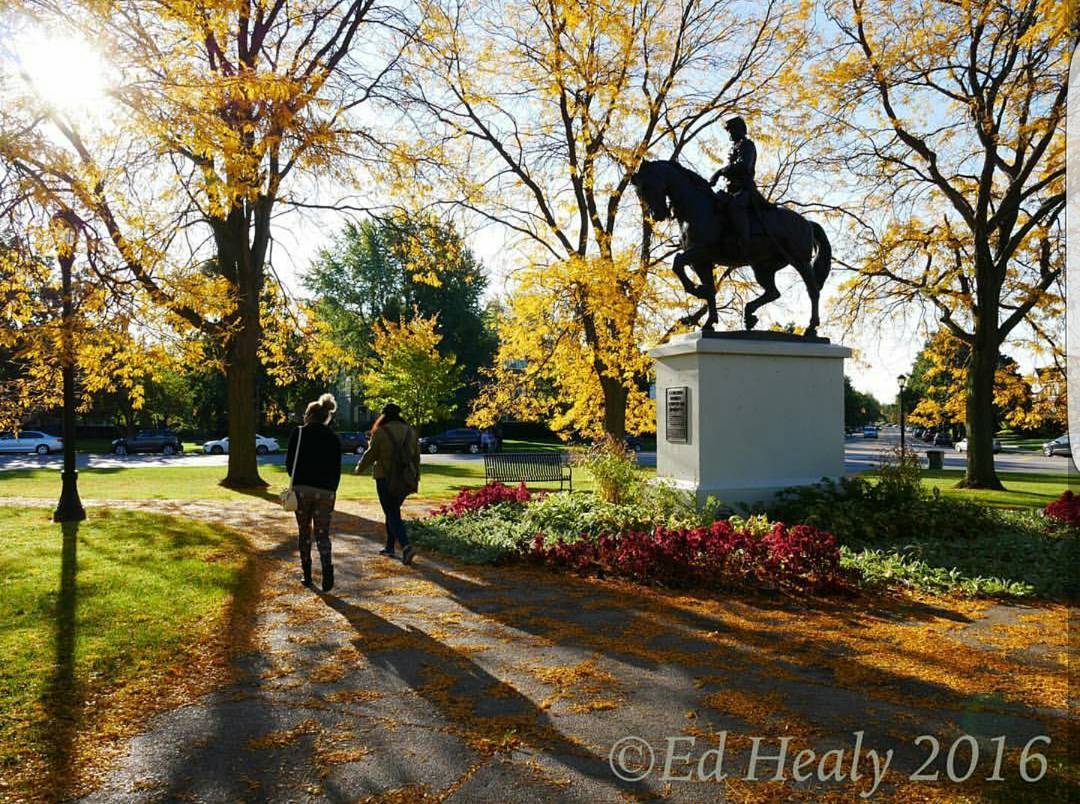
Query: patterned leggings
point(315, 508)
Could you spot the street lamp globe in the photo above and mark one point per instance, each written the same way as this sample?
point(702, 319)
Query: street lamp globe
point(902, 380)
point(65, 231)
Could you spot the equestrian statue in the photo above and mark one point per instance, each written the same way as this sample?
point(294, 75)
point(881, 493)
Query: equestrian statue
point(717, 228)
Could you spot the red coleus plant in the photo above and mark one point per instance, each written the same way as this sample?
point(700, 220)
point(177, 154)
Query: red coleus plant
point(800, 557)
point(1065, 508)
point(476, 499)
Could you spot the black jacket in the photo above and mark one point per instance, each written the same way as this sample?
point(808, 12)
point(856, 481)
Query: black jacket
point(320, 458)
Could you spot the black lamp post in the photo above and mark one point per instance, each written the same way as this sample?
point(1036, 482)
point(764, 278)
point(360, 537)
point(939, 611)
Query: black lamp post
point(902, 380)
point(65, 229)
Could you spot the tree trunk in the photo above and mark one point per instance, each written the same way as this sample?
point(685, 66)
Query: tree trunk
point(614, 407)
point(241, 354)
point(980, 472)
point(240, 367)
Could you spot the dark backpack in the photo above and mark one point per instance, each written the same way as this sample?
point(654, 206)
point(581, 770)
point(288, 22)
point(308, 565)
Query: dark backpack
point(403, 474)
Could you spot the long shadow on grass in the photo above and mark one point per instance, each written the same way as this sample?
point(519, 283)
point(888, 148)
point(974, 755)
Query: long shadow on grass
point(211, 766)
point(63, 698)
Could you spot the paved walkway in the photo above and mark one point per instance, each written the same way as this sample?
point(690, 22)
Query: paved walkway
point(442, 681)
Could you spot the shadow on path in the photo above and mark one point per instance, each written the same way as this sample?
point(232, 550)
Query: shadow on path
point(453, 684)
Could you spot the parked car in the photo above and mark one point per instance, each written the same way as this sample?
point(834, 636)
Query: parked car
point(962, 445)
point(463, 439)
point(942, 439)
point(355, 443)
point(634, 443)
point(263, 445)
point(31, 441)
point(1059, 446)
point(870, 431)
point(164, 441)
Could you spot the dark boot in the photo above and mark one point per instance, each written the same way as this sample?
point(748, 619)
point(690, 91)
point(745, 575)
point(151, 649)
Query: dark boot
point(327, 572)
point(304, 544)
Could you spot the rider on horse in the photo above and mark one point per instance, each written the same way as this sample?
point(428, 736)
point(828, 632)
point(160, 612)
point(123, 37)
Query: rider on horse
point(739, 172)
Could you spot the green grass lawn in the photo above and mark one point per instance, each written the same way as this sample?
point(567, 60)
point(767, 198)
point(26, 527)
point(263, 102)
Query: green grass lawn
point(96, 612)
point(518, 445)
point(437, 481)
point(1022, 490)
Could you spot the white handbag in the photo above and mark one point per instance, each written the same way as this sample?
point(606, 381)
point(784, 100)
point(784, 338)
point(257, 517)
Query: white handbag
point(289, 500)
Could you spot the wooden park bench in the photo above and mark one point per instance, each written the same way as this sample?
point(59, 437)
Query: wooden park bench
point(530, 467)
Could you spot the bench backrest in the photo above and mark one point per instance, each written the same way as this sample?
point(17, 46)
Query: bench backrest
point(534, 467)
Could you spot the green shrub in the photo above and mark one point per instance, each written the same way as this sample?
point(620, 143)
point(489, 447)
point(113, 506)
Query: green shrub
point(878, 569)
point(487, 536)
point(896, 530)
point(614, 471)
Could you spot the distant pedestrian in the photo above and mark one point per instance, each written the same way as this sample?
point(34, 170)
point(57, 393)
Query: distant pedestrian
point(394, 451)
point(487, 441)
point(313, 461)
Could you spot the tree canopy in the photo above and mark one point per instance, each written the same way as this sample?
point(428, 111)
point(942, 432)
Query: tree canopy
point(406, 368)
point(398, 268)
point(217, 113)
point(948, 122)
point(532, 116)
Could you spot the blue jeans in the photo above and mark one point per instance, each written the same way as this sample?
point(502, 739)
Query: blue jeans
point(391, 506)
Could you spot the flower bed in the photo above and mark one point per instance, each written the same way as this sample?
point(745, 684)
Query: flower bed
point(1065, 509)
point(655, 541)
point(890, 535)
point(484, 497)
point(799, 557)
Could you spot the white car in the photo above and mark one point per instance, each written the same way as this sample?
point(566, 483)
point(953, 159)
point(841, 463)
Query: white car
point(962, 445)
point(263, 445)
point(31, 441)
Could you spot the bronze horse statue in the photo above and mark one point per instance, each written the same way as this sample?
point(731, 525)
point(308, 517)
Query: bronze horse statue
point(667, 188)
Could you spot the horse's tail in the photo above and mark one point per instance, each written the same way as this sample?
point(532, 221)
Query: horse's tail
point(823, 258)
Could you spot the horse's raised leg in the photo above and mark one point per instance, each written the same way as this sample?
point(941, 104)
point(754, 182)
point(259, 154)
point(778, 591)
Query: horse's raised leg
point(766, 277)
point(678, 265)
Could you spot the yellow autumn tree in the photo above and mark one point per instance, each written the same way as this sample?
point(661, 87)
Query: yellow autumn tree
point(406, 368)
point(217, 115)
point(109, 352)
point(533, 115)
point(948, 123)
point(939, 379)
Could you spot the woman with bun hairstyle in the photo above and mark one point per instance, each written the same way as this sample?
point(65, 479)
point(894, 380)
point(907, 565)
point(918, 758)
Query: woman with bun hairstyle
point(314, 463)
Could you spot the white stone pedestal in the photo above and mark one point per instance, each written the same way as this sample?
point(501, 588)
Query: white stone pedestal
point(760, 414)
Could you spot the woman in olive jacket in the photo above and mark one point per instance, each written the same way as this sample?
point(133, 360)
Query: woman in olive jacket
point(390, 436)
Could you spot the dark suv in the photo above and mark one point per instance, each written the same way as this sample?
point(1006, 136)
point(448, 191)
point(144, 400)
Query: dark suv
point(464, 439)
point(353, 442)
point(942, 439)
point(164, 441)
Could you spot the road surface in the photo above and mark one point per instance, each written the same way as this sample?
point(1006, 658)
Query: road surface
point(859, 455)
